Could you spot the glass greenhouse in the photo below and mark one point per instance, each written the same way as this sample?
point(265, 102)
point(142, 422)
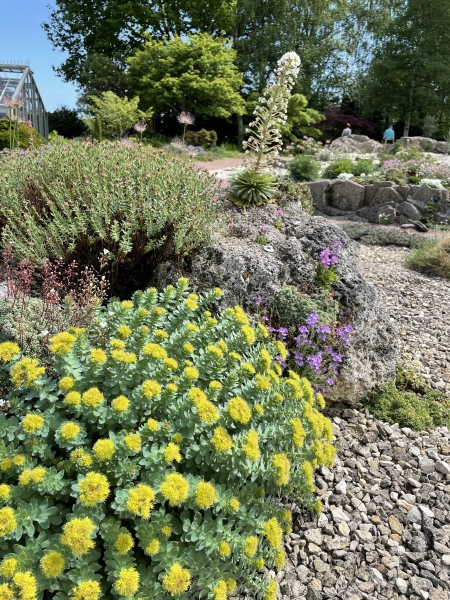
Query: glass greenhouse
point(17, 82)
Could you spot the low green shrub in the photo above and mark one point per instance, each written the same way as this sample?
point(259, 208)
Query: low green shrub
point(28, 136)
point(295, 191)
point(203, 138)
point(325, 277)
point(151, 462)
point(304, 168)
point(363, 165)
point(341, 165)
point(77, 200)
point(293, 308)
point(409, 401)
point(431, 258)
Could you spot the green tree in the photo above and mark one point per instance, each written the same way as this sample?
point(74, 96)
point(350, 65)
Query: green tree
point(116, 114)
point(410, 73)
point(114, 29)
point(198, 75)
point(66, 122)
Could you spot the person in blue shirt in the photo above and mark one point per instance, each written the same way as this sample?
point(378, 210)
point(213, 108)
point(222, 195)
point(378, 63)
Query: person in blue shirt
point(389, 135)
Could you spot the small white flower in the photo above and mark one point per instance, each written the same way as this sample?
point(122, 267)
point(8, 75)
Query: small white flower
point(103, 324)
point(105, 251)
point(45, 332)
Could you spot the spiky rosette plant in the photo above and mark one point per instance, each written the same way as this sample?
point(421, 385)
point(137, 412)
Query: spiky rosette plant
point(255, 185)
point(148, 462)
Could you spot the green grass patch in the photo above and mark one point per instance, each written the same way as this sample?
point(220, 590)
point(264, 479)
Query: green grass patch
point(409, 401)
point(431, 258)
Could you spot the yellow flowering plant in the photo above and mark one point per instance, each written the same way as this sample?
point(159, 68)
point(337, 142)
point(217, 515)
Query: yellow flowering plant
point(156, 477)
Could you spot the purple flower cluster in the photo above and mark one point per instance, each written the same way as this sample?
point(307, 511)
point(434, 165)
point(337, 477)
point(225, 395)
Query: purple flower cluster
point(329, 257)
point(318, 351)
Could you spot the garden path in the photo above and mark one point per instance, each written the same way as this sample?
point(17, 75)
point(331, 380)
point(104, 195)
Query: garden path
point(419, 304)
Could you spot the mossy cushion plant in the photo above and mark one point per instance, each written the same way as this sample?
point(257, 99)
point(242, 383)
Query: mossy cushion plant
point(149, 460)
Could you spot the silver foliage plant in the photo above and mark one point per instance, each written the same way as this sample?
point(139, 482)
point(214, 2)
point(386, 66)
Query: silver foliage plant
point(253, 185)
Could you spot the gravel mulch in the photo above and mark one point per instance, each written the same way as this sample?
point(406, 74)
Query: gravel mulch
point(385, 526)
point(420, 306)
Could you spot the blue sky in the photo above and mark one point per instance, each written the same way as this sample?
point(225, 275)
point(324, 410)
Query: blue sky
point(23, 39)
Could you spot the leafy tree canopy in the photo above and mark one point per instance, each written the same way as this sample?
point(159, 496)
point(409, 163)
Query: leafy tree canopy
point(116, 114)
point(115, 28)
point(66, 122)
point(198, 75)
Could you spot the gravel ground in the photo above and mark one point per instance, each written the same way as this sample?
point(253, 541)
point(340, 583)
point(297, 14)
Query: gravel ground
point(420, 306)
point(385, 526)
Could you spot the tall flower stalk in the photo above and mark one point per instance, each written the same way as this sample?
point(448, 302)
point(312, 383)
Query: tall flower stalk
point(185, 119)
point(265, 139)
point(253, 185)
point(13, 103)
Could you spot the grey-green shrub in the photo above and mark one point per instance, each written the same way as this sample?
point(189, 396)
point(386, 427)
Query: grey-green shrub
point(363, 165)
point(295, 191)
point(304, 168)
point(341, 165)
point(203, 138)
point(294, 308)
point(28, 137)
point(75, 200)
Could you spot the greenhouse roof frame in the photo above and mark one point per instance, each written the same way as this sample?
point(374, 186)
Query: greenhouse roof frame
point(17, 81)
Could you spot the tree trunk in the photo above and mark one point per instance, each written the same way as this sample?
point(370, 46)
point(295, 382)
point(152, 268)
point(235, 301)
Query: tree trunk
point(240, 125)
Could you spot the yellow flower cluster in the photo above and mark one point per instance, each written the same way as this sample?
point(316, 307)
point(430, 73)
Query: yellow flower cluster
point(25, 372)
point(93, 489)
point(128, 304)
point(248, 368)
point(234, 504)
point(66, 384)
point(263, 383)
point(124, 331)
point(175, 489)
point(324, 452)
point(128, 582)
point(121, 356)
point(271, 591)
point(178, 438)
point(191, 373)
point(239, 410)
point(298, 435)
point(98, 355)
point(206, 410)
point(77, 535)
point(62, 343)
point(251, 447)
point(191, 304)
point(166, 530)
point(263, 330)
point(280, 559)
point(177, 580)
point(189, 348)
point(155, 351)
point(215, 386)
point(8, 568)
point(172, 388)
point(240, 316)
point(117, 344)
point(124, 543)
point(153, 425)
point(104, 449)
point(224, 549)
point(81, 457)
point(272, 531)
point(92, 397)
point(140, 500)
point(32, 423)
point(205, 495)
point(251, 546)
point(151, 388)
point(281, 349)
point(8, 350)
point(258, 410)
point(171, 364)
point(249, 334)
point(133, 442)
point(52, 564)
point(86, 590)
point(120, 404)
point(259, 563)
point(26, 582)
point(5, 491)
point(221, 440)
point(73, 399)
point(308, 473)
point(32, 476)
point(221, 590)
point(283, 467)
point(215, 351)
point(70, 430)
point(172, 452)
point(153, 547)
point(191, 327)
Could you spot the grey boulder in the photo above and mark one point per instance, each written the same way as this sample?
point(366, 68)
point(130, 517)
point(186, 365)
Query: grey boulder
point(245, 269)
point(348, 195)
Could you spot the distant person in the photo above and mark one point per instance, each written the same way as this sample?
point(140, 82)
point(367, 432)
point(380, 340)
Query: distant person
point(389, 135)
point(347, 132)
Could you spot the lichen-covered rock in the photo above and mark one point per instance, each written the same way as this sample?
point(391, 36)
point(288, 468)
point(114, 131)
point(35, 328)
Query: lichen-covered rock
point(245, 269)
point(348, 195)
